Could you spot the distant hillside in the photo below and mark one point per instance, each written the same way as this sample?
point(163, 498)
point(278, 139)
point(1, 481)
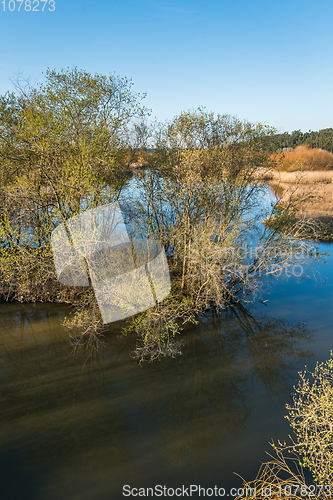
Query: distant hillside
point(322, 139)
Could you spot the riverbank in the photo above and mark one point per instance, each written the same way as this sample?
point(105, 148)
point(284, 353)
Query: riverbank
point(311, 192)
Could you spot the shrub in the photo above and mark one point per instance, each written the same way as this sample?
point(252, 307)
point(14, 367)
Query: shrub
point(311, 418)
point(305, 158)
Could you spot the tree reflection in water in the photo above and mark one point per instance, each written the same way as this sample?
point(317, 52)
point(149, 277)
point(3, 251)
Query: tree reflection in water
point(105, 419)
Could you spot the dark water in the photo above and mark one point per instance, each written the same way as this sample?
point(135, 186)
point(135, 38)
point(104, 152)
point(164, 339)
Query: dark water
point(81, 427)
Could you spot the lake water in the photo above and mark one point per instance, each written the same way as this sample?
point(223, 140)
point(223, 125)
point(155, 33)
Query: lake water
point(82, 426)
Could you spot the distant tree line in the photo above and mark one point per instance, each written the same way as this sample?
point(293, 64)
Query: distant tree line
point(321, 139)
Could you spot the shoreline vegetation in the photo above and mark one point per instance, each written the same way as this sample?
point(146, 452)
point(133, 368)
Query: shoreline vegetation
point(311, 191)
point(72, 144)
point(308, 450)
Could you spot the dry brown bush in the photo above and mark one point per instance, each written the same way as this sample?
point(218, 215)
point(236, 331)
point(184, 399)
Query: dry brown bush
point(304, 158)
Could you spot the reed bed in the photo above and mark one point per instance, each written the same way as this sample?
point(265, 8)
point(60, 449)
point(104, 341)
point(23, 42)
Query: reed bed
point(299, 177)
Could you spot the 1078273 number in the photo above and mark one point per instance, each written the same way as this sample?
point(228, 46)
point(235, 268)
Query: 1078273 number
point(28, 5)
point(313, 490)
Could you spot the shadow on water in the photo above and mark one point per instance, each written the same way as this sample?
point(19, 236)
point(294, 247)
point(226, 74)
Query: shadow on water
point(82, 426)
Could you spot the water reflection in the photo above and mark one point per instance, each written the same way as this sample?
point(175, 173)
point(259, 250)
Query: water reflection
point(81, 426)
point(220, 367)
point(272, 346)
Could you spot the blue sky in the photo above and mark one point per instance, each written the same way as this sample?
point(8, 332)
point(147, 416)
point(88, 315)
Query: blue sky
point(266, 61)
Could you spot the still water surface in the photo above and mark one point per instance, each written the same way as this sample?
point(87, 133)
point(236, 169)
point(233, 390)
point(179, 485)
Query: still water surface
point(82, 426)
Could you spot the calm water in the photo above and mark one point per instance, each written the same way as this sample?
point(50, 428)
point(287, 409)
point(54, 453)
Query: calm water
point(80, 427)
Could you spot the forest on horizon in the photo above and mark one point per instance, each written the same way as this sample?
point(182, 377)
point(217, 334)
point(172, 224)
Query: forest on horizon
point(321, 139)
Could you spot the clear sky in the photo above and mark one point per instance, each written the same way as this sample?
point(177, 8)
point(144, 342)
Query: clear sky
point(262, 60)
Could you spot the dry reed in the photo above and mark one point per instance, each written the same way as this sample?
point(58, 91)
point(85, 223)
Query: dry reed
point(281, 478)
point(301, 177)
